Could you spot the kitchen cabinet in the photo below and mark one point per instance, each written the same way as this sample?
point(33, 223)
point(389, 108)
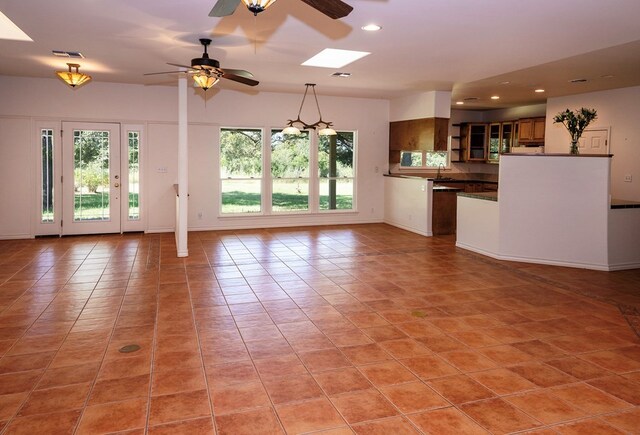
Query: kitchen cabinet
point(473, 140)
point(531, 131)
point(500, 140)
point(425, 134)
point(443, 213)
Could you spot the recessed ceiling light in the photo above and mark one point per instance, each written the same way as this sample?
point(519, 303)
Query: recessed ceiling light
point(8, 30)
point(341, 74)
point(459, 103)
point(577, 80)
point(607, 76)
point(505, 83)
point(495, 97)
point(371, 27)
point(334, 58)
point(539, 91)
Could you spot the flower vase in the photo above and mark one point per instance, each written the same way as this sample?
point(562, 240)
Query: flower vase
point(574, 148)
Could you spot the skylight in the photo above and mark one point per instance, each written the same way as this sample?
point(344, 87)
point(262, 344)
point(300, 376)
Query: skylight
point(334, 58)
point(8, 30)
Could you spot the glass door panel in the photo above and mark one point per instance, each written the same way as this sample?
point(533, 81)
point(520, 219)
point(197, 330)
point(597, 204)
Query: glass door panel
point(91, 178)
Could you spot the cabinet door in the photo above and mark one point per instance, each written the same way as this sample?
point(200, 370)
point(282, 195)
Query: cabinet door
point(494, 143)
point(506, 137)
point(538, 129)
point(478, 142)
point(526, 130)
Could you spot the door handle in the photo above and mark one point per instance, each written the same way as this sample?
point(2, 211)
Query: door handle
point(116, 185)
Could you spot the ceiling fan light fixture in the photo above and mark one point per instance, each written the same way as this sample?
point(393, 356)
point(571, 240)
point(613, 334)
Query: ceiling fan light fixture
point(73, 78)
point(205, 80)
point(324, 127)
point(257, 6)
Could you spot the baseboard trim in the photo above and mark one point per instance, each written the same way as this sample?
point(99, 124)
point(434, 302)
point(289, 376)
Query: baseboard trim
point(413, 230)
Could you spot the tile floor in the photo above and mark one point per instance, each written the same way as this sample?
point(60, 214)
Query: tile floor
point(355, 329)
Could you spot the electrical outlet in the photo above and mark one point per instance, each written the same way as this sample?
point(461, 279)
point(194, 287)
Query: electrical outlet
point(200, 215)
point(628, 178)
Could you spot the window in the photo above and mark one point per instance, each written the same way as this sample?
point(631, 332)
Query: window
point(134, 175)
point(424, 159)
point(46, 215)
point(290, 171)
point(241, 170)
point(336, 171)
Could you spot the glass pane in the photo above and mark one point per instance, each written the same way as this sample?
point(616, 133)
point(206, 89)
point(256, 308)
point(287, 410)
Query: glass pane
point(336, 194)
point(91, 175)
point(335, 155)
point(289, 154)
point(240, 153)
point(241, 196)
point(437, 158)
point(290, 194)
point(411, 159)
point(134, 175)
point(47, 176)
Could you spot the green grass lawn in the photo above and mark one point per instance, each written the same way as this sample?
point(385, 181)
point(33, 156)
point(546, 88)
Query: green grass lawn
point(95, 206)
point(241, 197)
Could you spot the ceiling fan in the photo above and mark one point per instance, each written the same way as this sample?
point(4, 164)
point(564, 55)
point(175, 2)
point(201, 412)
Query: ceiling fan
point(206, 71)
point(332, 8)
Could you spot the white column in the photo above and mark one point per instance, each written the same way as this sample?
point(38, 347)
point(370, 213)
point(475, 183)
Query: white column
point(182, 203)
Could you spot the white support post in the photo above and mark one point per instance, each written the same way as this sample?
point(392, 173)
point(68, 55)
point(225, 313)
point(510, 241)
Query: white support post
point(182, 203)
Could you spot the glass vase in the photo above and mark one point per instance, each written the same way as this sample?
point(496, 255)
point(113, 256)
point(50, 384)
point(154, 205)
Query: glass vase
point(574, 148)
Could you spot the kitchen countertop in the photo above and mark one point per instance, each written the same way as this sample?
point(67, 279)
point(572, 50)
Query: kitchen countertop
point(457, 177)
point(438, 188)
point(487, 196)
point(622, 203)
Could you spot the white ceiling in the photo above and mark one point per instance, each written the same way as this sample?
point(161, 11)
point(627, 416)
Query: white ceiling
point(468, 46)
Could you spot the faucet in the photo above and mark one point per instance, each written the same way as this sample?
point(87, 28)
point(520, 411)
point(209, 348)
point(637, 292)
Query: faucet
point(438, 173)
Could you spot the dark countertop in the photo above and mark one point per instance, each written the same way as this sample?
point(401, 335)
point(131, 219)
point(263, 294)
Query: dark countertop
point(487, 196)
point(439, 188)
point(622, 203)
point(458, 177)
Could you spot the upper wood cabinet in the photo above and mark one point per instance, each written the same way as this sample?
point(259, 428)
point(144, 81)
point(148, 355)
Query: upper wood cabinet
point(425, 134)
point(531, 130)
point(473, 141)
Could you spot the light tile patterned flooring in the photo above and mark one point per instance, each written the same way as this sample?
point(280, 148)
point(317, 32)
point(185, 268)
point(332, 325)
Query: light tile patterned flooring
point(366, 329)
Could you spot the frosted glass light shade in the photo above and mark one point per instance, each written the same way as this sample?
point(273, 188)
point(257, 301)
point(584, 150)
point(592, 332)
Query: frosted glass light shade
point(205, 81)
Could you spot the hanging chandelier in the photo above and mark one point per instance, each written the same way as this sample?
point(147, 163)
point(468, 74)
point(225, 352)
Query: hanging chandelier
point(73, 78)
point(325, 127)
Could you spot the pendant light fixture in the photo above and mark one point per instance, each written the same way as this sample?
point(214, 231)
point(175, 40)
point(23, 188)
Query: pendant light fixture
point(257, 6)
point(325, 127)
point(73, 78)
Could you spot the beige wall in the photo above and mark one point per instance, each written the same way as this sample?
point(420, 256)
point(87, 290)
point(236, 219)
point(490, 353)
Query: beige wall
point(618, 109)
point(28, 101)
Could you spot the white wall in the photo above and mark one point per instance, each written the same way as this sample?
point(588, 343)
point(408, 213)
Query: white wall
point(554, 209)
point(408, 204)
point(478, 226)
point(423, 105)
point(618, 109)
point(624, 238)
point(27, 100)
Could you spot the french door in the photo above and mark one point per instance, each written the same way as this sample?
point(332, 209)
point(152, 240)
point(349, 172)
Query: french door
point(91, 183)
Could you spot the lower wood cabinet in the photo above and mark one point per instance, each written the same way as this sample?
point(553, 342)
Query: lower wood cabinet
point(444, 213)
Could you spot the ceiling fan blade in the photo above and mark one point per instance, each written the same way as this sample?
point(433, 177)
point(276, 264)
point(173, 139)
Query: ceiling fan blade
point(178, 65)
point(162, 72)
point(240, 78)
point(238, 72)
point(223, 8)
point(332, 8)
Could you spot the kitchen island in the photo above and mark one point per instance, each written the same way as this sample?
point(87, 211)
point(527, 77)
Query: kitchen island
point(426, 204)
point(552, 209)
